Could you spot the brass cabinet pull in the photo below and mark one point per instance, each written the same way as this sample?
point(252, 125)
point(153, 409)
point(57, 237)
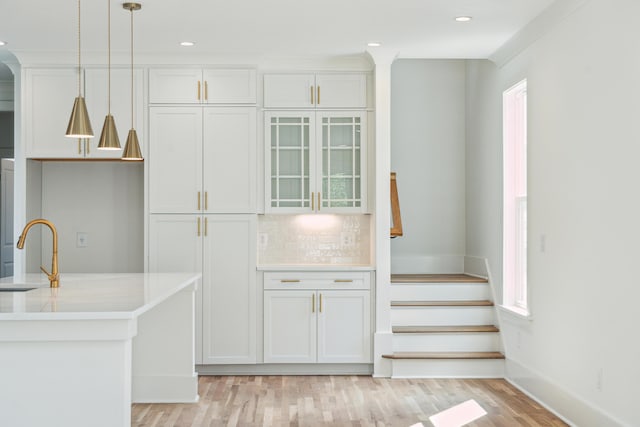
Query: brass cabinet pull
point(198, 200)
point(313, 195)
point(198, 227)
point(319, 197)
point(318, 97)
point(206, 200)
point(198, 90)
point(313, 303)
point(206, 90)
point(206, 224)
point(311, 89)
point(79, 146)
point(87, 146)
point(320, 303)
point(343, 281)
point(289, 281)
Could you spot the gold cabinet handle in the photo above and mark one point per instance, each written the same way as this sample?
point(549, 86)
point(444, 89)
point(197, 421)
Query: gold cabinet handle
point(311, 90)
point(198, 200)
point(206, 90)
point(343, 281)
point(198, 90)
point(320, 303)
point(313, 206)
point(289, 281)
point(318, 97)
point(198, 227)
point(79, 146)
point(206, 226)
point(313, 303)
point(206, 200)
point(319, 197)
point(87, 146)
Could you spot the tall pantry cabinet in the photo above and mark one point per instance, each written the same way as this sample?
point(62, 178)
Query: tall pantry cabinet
point(202, 202)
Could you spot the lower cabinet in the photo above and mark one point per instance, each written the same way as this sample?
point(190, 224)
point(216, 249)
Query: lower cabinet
point(329, 324)
point(223, 248)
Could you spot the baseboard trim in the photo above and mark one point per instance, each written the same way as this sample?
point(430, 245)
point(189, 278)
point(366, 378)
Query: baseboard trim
point(441, 264)
point(288, 369)
point(572, 409)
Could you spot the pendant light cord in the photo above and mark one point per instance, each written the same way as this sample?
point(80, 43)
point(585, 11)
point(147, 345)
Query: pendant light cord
point(79, 69)
point(132, 121)
point(109, 55)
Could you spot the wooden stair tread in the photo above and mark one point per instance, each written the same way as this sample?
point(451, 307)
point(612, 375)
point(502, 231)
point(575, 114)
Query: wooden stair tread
point(443, 329)
point(436, 278)
point(445, 355)
point(450, 303)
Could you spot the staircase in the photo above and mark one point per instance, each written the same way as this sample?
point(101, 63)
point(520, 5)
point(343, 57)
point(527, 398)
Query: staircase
point(444, 326)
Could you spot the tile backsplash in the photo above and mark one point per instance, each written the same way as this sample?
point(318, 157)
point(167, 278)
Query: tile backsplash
point(314, 239)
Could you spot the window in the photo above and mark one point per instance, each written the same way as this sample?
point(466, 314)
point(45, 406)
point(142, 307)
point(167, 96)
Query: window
point(515, 198)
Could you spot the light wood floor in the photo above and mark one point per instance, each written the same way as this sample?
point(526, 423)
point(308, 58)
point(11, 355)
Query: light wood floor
point(341, 401)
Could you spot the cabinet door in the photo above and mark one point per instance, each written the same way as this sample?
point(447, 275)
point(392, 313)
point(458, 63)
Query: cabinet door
point(229, 153)
point(344, 327)
point(341, 156)
point(175, 245)
point(289, 90)
point(229, 86)
point(175, 159)
point(96, 93)
point(341, 90)
point(229, 289)
point(289, 162)
point(289, 326)
point(175, 86)
point(49, 95)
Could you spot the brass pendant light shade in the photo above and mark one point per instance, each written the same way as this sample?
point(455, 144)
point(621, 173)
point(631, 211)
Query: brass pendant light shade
point(109, 137)
point(79, 124)
point(132, 147)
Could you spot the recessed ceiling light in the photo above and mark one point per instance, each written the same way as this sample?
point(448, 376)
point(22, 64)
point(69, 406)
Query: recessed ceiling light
point(374, 44)
point(463, 18)
point(187, 43)
point(3, 43)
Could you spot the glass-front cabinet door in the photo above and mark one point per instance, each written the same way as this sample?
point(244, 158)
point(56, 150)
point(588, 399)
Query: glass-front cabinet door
point(315, 162)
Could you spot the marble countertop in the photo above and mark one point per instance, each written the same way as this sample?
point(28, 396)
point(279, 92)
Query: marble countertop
point(315, 267)
point(89, 296)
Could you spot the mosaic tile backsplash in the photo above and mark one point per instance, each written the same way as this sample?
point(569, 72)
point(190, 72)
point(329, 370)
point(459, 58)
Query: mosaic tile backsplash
point(314, 239)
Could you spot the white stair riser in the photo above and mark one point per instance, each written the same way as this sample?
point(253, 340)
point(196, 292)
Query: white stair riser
point(447, 368)
point(484, 341)
point(442, 316)
point(440, 292)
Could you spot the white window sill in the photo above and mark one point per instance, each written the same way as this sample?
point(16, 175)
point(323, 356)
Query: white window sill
point(518, 312)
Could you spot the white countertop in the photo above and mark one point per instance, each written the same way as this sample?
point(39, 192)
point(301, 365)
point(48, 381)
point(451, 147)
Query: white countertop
point(315, 267)
point(89, 296)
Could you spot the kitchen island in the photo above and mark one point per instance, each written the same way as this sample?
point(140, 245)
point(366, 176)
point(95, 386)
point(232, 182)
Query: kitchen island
point(80, 354)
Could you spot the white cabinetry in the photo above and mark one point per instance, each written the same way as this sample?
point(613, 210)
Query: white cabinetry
point(202, 159)
point(322, 90)
point(49, 98)
point(202, 86)
point(317, 318)
point(223, 248)
point(315, 161)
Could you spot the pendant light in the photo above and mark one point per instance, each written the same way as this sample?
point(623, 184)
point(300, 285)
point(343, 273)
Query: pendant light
point(132, 147)
point(109, 137)
point(79, 124)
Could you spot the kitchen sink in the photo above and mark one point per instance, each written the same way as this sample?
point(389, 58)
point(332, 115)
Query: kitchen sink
point(16, 289)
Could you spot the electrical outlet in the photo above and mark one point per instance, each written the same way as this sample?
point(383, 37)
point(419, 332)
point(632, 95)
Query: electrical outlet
point(543, 242)
point(347, 238)
point(599, 379)
point(82, 239)
point(263, 239)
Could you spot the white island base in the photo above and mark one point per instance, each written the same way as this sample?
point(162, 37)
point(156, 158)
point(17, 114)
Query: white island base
point(81, 354)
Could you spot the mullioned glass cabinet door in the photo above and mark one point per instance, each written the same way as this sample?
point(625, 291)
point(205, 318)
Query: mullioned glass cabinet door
point(342, 141)
point(290, 166)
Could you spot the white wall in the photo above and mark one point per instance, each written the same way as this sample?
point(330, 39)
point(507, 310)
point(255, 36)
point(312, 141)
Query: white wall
point(102, 199)
point(580, 353)
point(428, 154)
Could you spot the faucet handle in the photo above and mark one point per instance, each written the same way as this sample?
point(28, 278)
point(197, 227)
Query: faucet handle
point(45, 271)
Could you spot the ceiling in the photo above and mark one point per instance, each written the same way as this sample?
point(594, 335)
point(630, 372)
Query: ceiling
point(271, 28)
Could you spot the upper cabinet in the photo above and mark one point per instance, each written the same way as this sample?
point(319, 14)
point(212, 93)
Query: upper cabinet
point(321, 90)
point(48, 101)
point(202, 86)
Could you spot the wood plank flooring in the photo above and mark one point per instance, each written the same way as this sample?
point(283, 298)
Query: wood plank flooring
point(341, 401)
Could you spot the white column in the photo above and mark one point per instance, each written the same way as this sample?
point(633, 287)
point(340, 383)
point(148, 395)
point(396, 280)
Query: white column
point(382, 58)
